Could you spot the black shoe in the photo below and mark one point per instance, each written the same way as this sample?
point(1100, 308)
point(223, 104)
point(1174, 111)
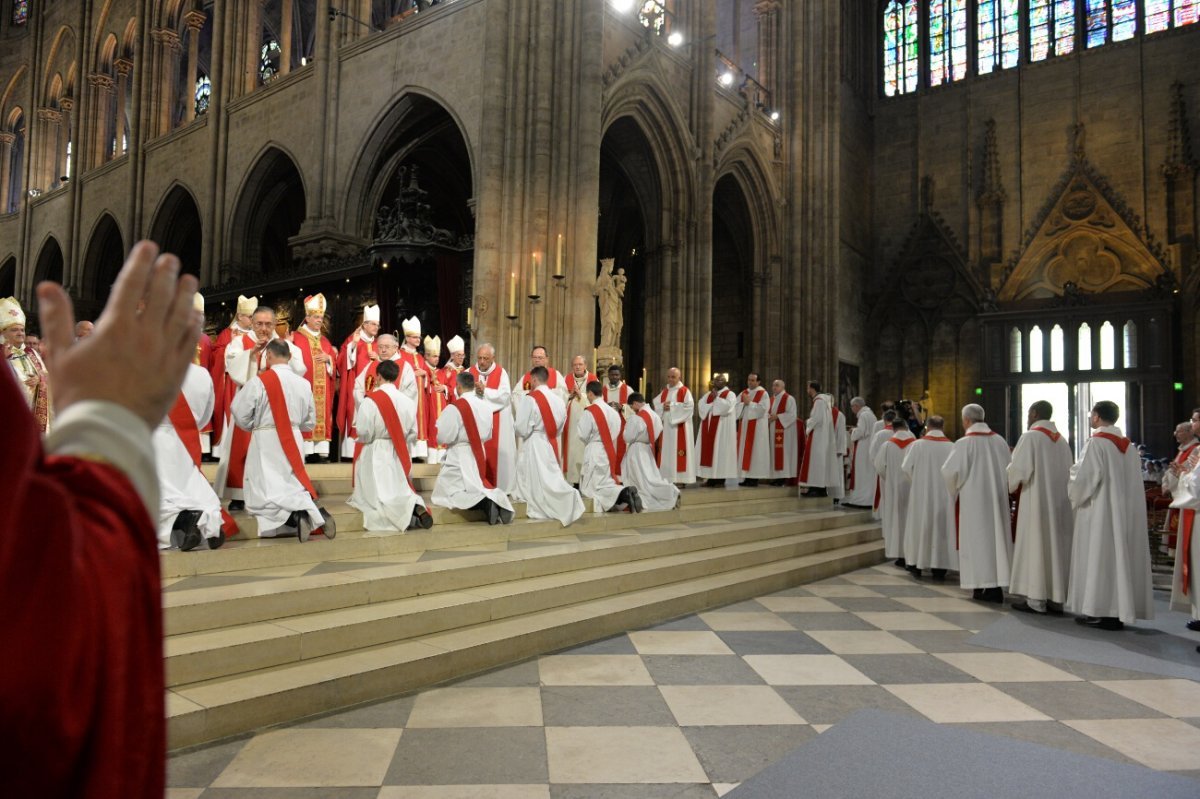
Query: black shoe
point(493, 512)
point(310, 458)
point(714, 484)
point(421, 518)
point(977, 593)
point(749, 482)
point(939, 575)
point(236, 505)
point(994, 595)
point(900, 563)
point(1054, 608)
point(914, 571)
point(1087, 621)
point(777, 483)
point(185, 532)
point(506, 516)
point(1194, 625)
point(322, 459)
point(635, 500)
point(1023, 607)
point(299, 522)
point(1111, 624)
point(218, 542)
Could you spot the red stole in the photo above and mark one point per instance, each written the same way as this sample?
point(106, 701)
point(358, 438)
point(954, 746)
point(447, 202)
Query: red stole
point(834, 413)
point(1122, 443)
point(492, 447)
point(656, 443)
point(185, 427)
point(708, 431)
point(283, 428)
point(749, 430)
point(318, 378)
point(468, 420)
point(1185, 570)
point(622, 394)
point(391, 420)
point(547, 420)
point(372, 378)
point(681, 436)
point(347, 374)
point(902, 443)
point(779, 433)
point(1052, 436)
point(572, 383)
point(610, 449)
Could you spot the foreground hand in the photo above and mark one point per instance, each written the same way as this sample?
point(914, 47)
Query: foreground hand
point(135, 358)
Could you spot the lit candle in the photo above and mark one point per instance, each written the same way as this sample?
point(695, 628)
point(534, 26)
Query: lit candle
point(558, 267)
point(469, 317)
point(643, 389)
point(533, 274)
point(512, 295)
point(595, 363)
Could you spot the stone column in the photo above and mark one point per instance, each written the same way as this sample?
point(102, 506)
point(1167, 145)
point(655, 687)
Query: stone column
point(195, 21)
point(285, 37)
point(767, 12)
point(6, 144)
point(124, 66)
point(101, 87)
point(167, 48)
point(66, 152)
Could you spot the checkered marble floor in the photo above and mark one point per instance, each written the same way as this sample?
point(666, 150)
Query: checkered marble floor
point(692, 707)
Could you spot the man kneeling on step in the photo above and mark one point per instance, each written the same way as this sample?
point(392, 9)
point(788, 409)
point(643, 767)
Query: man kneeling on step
point(463, 428)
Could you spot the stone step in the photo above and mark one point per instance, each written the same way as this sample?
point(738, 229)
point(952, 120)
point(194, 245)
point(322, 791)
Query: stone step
point(207, 655)
point(213, 709)
point(320, 471)
point(264, 600)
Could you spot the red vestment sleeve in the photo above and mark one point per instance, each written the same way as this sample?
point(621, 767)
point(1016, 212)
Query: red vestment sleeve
point(82, 694)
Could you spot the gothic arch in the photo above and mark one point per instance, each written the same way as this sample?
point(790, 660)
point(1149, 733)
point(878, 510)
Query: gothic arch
point(270, 209)
point(735, 247)
point(49, 264)
point(8, 276)
point(177, 227)
point(411, 120)
point(103, 258)
point(9, 92)
point(101, 43)
point(761, 193)
point(61, 58)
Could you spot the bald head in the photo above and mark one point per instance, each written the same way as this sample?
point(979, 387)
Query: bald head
point(83, 329)
point(674, 376)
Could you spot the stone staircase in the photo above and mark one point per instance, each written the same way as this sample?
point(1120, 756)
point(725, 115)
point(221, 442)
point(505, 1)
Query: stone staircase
point(267, 631)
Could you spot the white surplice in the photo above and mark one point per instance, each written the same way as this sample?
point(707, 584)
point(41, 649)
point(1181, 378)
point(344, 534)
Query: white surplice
point(893, 509)
point(785, 407)
point(540, 482)
point(881, 435)
point(272, 490)
point(500, 399)
point(825, 445)
point(720, 406)
point(381, 489)
point(639, 468)
point(755, 410)
point(1185, 496)
point(595, 476)
point(976, 476)
point(1110, 553)
point(459, 483)
point(860, 488)
point(559, 389)
point(182, 486)
point(929, 526)
point(675, 407)
point(572, 440)
point(1040, 469)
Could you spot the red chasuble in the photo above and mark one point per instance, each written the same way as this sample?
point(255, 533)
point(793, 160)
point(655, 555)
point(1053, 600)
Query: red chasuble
point(223, 385)
point(422, 374)
point(347, 375)
point(437, 400)
point(477, 447)
point(82, 694)
point(610, 449)
point(680, 432)
point(750, 428)
point(708, 432)
point(203, 358)
point(492, 447)
point(547, 419)
point(319, 378)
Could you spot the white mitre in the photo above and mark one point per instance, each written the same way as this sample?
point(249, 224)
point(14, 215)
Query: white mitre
point(11, 313)
point(371, 314)
point(456, 344)
point(314, 305)
point(433, 346)
point(246, 305)
point(198, 302)
point(411, 327)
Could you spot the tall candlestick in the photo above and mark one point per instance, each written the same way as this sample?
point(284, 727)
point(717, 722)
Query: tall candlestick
point(512, 296)
point(558, 266)
point(469, 317)
point(533, 276)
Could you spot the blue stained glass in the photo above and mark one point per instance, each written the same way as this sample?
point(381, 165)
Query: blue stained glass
point(1097, 22)
point(1158, 15)
point(947, 41)
point(20, 12)
point(901, 45)
point(1124, 23)
point(1064, 26)
point(203, 95)
point(1051, 28)
point(999, 38)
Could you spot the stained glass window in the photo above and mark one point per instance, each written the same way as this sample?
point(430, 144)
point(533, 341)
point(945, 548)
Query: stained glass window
point(1097, 22)
point(901, 44)
point(1124, 24)
point(268, 63)
point(1158, 15)
point(947, 41)
point(999, 34)
point(203, 94)
point(20, 13)
point(1110, 21)
point(1051, 28)
point(652, 15)
point(1186, 12)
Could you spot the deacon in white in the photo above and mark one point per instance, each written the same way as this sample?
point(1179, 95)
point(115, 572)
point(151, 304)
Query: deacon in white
point(540, 481)
point(500, 398)
point(555, 384)
point(825, 444)
point(366, 334)
point(382, 488)
point(1040, 469)
point(182, 486)
point(388, 349)
point(717, 459)
point(783, 418)
point(976, 475)
point(1182, 479)
point(676, 407)
point(459, 482)
point(639, 471)
point(274, 494)
point(577, 403)
point(860, 490)
point(754, 405)
point(893, 510)
point(882, 424)
point(929, 526)
point(1110, 554)
point(882, 434)
point(596, 476)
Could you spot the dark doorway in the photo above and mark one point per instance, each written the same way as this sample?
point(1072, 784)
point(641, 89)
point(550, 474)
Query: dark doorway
point(102, 264)
point(177, 229)
point(732, 284)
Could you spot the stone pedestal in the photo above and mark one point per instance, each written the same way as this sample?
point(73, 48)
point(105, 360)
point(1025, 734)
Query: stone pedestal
point(606, 357)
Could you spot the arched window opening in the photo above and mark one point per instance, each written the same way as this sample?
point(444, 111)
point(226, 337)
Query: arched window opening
point(901, 46)
point(20, 13)
point(1110, 21)
point(12, 165)
point(193, 86)
point(947, 41)
point(999, 34)
point(1036, 343)
point(1051, 28)
point(1159, 15)
point(1084, 355)
point(1108, 346)
point(202, 95)
point(1058, 350)
point(289, 34)
point(1014, 350)
point(1129, 336)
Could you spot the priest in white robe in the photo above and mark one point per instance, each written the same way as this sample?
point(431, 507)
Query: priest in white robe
point(388, 349)
point(754, 433)
point(492, 384)
point(540, 482)
point(1110, 583)
point(1182, 479)
point(189, 509)
point(675, 406)
point(278, 491)
point(786, 436)
point(716, 442)
point(1038, 474)
point(929, 526)
point(893, 510)
point(640, 471)
point(600, 475)
point(860, 485)
point(464, 429)
point(976, 475)
point(882, 424)
point(383, 488)
point(577, 402)
point(617, 391)
point(821, 471)
point(883, 431)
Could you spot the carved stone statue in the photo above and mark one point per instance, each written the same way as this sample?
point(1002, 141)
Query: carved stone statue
point(609, 291)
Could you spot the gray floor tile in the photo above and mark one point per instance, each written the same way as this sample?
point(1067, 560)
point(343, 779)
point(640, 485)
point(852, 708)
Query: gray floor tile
point(907, 669)
point(869, 604)
point(1078, 700)
point(198, 768)
point(621, 706)
point(388, 714)
point(970, 621)
point(734, 754)
point(1049, 733)
point(748, 606)
point(626, 791)
point(477, 756)
point(290, 793)
point(1093, 671)
point(941, 640)
point(827, 621)
point(829, 704)
point(617, 645)
point(797, 591)
point(683, 623)
point(522, 675)
point(701, 670)
point(1195, 775)
point(773, 643)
